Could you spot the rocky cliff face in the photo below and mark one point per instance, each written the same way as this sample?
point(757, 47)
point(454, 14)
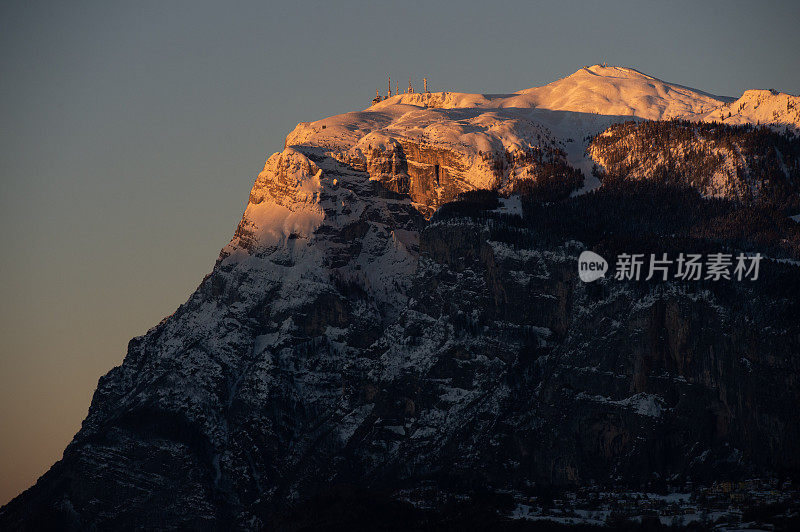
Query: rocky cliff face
point(348, 335)
point(743, 163)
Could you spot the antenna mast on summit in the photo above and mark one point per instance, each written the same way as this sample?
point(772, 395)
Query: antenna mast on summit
point(425, 83)
point(410, 88)
point(389, 93)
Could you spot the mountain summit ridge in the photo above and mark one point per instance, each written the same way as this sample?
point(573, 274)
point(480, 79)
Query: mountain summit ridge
point(555, 120)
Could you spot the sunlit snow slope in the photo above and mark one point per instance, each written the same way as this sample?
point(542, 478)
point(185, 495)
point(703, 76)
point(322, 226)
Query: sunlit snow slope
point(433, 146)
point(765, 107)
point(556, 118)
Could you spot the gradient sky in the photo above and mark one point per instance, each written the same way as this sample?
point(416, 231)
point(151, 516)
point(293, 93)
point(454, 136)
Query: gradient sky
point(130, 134)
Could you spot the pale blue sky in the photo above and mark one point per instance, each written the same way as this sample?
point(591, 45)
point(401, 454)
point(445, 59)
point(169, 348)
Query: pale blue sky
point(130, 134)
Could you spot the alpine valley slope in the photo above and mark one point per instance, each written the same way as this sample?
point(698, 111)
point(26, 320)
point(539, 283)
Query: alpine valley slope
point(349, 335)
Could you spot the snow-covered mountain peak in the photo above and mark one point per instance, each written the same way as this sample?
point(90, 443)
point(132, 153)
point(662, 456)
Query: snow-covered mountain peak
point(620, 91)
point(432, 146)
point(343, 339)
point(597, 89)
point(463, 135)
point(759, 106)
point(614, 72)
